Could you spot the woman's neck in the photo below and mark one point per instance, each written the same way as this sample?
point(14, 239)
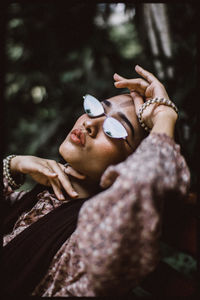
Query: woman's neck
point(84, 188)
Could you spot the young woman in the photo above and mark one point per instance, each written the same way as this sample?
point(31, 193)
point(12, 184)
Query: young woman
point(94, 228)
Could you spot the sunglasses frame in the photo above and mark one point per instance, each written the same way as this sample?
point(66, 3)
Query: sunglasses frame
point(107, 117)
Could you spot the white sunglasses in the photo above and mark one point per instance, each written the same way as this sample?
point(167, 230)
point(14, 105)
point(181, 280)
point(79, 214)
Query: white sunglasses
point(111, 126)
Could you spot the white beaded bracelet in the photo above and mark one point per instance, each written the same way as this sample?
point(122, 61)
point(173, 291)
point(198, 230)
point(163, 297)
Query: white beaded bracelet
point(152, 101)
point(7, 174)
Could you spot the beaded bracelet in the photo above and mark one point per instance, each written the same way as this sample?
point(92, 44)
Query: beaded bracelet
point(151, 101)
point(7, 174)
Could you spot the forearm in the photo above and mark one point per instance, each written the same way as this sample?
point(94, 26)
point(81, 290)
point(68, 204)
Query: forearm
point(164, 124)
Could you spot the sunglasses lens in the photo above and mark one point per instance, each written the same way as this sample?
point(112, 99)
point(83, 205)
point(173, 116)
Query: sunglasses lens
point(92, 106)
point(114, 128)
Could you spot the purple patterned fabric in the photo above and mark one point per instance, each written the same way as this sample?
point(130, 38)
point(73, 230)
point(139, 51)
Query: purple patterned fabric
point(115, 244)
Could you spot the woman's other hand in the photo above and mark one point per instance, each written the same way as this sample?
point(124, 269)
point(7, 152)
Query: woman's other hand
point(47, 172)
point(143, 89)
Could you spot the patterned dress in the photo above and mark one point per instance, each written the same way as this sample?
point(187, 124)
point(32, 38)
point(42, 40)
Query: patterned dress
point(116, 242)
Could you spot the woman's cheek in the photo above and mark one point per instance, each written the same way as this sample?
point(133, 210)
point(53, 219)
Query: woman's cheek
point(103, 154)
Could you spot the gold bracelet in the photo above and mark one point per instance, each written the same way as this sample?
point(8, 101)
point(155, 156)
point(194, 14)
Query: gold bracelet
point(152, 101)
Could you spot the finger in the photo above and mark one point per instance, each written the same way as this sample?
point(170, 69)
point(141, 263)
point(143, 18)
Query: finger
point(138, 101)
point(144, 73)
point(137, 96)
point(64, 180)
point(138, 84)
point(70, 171)
point(117, 77)
point(57, 189)
point(47, 172)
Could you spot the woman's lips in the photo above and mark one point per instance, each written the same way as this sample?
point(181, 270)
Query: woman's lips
point(77, 137)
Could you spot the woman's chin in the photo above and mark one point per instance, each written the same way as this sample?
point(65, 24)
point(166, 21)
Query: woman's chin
point(67, 150)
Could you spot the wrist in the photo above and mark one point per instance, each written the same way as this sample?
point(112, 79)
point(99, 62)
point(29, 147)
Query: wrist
point(165, 123)
point(15, 165)
point(165, 109)
point(170, 115)
point(15, 179)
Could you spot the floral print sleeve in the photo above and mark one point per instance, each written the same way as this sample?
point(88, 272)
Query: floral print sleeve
point(119, 229)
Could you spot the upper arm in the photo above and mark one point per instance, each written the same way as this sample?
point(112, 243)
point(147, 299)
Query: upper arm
point(118, 229)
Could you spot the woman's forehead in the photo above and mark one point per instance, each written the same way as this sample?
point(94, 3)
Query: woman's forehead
point(123, 100)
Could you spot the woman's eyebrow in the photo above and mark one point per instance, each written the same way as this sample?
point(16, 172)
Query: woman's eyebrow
point(109, 104)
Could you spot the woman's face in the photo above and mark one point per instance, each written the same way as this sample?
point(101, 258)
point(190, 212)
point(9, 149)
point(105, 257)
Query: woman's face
point(97, 150)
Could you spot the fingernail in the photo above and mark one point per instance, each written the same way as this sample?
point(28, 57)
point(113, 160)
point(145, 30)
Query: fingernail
point(62, 197)
point(74, 194)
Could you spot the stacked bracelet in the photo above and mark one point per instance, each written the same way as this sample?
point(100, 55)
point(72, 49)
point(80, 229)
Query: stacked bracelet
point(151, 101)
point(7, 174)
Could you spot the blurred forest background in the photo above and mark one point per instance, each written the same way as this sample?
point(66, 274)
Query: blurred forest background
point(57, 53)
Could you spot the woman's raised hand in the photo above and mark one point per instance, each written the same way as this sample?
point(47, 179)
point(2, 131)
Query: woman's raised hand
point(47, 172)
point(148, 86)
point(143, 89)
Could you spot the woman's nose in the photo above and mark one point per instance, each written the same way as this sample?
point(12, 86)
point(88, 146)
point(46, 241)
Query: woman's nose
point(93, 125)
